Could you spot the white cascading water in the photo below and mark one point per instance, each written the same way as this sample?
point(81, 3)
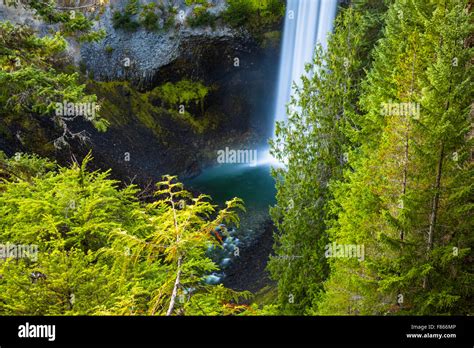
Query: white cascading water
point(307, 23)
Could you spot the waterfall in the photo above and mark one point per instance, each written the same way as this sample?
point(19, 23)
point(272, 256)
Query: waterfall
point(307, 23)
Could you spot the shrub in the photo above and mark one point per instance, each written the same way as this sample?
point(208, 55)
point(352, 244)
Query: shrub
point(149, 18)
point(202, 18)
point(101, 251)
point(109, 49)
point(238, 12)
point(196, 2)
point(258, 15)
point(184, 91)
point(124, 21)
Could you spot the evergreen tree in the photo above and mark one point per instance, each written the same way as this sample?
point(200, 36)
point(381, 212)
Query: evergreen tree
point(315, 144)
point(379, 163)
point(34, 79)
point(101, 251)
point(401, 179)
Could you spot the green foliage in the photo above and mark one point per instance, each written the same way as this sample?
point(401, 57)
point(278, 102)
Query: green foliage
point(109, 49)
point(202, 18)
point(100, 250)
point(148, 16)
point(184, 91)
point(122, 104)
point(125, 20)
point(75, 283)
point(257, 15)
point(30, 85)
point(178, 98)
point(239, 12)
point(313, 142)
point(410, 188)
point(132, 8)
point(196, 2)
point(395, 183)
point(72, 23)
point(24, 167)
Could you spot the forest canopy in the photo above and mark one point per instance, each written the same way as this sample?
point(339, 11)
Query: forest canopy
point(380, 161)
point(374, 207)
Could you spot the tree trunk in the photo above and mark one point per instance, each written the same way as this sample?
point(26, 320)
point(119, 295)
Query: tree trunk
point(434, 206)
point(407, 140)
point(180, 260)
point(175, 289)
point(405, 170)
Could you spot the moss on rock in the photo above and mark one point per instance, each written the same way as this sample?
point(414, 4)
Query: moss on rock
point(122, 105)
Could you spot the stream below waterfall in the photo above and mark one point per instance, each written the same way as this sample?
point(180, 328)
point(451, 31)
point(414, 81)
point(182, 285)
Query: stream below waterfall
point(307, 24)
point(253, 184)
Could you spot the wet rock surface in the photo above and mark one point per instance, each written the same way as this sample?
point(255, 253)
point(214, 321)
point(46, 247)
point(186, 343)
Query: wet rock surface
point(249, 271)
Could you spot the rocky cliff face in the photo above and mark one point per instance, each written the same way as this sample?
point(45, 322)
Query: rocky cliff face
point(146, 51)
point(138, 55)
point(242, 75)
point(238, 106)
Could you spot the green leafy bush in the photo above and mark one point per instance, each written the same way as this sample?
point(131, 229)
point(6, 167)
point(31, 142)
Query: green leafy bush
point(239, 12)
point(31, 85)
point(109, 49)
point(100, 251)
point(149, 18)
point(202, 18)
point(124, 21)
point(196, 2)
point(258, 15)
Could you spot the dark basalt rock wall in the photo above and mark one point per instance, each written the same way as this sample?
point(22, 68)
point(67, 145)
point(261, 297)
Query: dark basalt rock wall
point(240, 101)
point(242, 76)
